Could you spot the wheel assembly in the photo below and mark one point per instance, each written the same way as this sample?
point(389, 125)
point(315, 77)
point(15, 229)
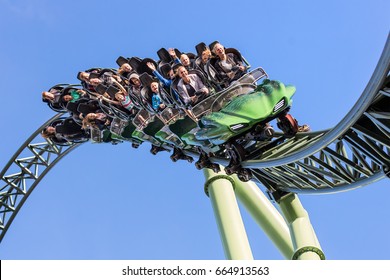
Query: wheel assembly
point(288, 125)
point(244, 174)
point(236, 153)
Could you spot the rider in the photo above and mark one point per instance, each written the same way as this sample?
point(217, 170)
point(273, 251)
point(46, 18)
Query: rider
point(191, 87)
point(166, 82)
point(96, 120)
point(228, 65)
point(157, 104)
point(74, 95)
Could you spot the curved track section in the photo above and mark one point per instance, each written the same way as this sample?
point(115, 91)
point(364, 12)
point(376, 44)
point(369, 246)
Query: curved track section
point(25, 170)
point(354, 153)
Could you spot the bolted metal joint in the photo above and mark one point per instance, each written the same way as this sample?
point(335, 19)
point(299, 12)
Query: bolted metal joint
point(217, 177)
point(306, 249)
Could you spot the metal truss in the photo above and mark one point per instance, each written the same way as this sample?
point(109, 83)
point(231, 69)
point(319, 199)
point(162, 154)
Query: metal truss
point(356, 152)
point(25, 170)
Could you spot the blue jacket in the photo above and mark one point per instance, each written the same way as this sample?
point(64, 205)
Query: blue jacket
point(156, 101)
point(166, 82)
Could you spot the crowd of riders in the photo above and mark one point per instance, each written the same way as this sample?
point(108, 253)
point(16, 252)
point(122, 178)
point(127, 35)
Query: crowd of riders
point(177, 80)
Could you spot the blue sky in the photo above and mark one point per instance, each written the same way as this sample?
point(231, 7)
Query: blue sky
point(115, 202)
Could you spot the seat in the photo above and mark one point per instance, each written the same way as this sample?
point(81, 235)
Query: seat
point(72, 131)
point(94, 75)
point(213, 75)
point(143, 67)
point(199, 74)
point(68, 127)
point(56, 105)
point(121, 60)
point(146, 100)
point(104, 75)
point(111, 91)
point(117, 110)
point(174, 93)
point(239, 56)
point(164, 70)
point(164, 55)
point(200, 48)
point(165, 58)
point(192, 58)
point(72, 107)
point(66, 91)
point(88, 107)
point(93, 70)
point(135, 63)
point(147, 79)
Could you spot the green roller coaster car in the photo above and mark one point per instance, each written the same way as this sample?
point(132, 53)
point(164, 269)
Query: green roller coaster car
point(224, 124)
point(240, 115)
point(267, 101)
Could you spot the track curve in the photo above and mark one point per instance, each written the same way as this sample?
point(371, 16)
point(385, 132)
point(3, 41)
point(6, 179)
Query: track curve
point(31, 162)
point(352, 154)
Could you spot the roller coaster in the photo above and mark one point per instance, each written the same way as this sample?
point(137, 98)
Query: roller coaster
point(355, 153)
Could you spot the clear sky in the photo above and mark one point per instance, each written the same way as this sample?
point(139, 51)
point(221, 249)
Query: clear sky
point(116, 202)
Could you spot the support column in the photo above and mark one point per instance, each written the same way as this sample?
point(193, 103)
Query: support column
point(220, 188)
point(305, 242)
point(265, 214)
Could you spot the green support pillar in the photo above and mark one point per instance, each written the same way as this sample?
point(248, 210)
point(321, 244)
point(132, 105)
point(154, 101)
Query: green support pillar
point(265, 214)
point(220, 188)
point(306, 245)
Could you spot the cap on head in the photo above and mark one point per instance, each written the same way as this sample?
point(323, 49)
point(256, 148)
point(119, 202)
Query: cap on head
point(134, 75)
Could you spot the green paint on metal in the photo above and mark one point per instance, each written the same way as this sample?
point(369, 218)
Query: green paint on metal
point(266, 215)
point(306, 249)
point(244, 111)
point(215, 178)
point(301, 230)
point(227, 214)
